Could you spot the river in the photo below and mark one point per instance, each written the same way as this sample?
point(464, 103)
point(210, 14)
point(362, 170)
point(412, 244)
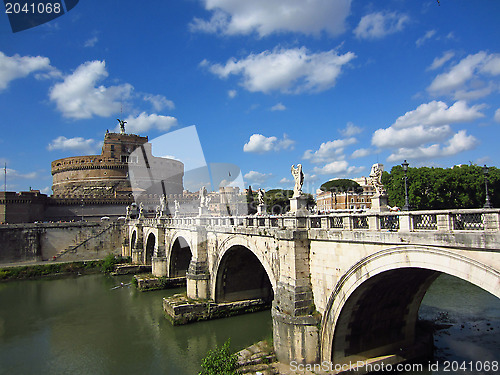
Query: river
point(84, 325)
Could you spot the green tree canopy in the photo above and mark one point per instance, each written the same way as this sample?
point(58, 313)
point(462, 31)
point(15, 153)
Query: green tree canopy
point(278, 201)
point(341, 185)
point(442, 188)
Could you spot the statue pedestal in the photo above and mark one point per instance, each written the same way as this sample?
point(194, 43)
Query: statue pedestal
point(298, 206)
point(262, 209)
point(379, 203)
point(203, 211)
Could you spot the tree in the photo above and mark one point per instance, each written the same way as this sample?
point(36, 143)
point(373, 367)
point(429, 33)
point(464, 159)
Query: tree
point(278, 201)
point(251, 201)
point(342, 185)
point(439, 188)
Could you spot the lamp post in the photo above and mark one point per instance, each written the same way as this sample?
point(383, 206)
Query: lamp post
point(487, 204)
point(406, 207)
point(83, 205)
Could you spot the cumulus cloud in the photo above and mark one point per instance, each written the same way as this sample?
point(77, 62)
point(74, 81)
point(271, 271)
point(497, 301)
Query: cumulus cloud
point(497, 115)
point(438, 62)
point(232, 94)
point(350, 130)
point(257, 177)
point(328, 151)
point(144, 122)
point(278, 107)
point(361, 153)
point(261, 144)
point(15, 67)
point(231, 17)
point(417, 133)
point(74, 144)
point(460, 142)
point(466, 75)
point(293, 70)
point(159, 102)
point(437, 113)
point(378, 25)
point(79, 97)
point(12, 173)
point(338, 168)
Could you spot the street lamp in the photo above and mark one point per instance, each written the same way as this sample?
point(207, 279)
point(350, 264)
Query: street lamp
point(487, 204)
point(83, 205)
point(406, 207)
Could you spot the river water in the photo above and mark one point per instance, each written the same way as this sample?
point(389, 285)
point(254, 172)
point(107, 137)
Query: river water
point(84, 325)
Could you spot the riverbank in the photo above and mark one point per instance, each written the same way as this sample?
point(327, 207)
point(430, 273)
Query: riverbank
point(49, 269)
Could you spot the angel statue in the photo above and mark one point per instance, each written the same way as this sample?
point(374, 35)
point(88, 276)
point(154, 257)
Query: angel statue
point(298, 176)
point(203, 197)
point(260, 195)
point(122, 125)
point(375, 178)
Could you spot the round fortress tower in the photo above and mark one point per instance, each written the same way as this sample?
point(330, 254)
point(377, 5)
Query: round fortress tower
point(107, 175)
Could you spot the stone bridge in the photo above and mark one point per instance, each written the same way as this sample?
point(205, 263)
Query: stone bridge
point(344, 287)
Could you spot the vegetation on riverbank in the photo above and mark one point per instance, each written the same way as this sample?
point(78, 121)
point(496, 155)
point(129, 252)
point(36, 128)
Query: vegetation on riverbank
point(219, 361)
point(37, 271)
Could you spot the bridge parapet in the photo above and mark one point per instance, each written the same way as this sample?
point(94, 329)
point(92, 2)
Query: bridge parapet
point(435, 220)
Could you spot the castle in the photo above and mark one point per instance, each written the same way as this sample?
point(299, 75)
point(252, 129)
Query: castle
point(94, 186)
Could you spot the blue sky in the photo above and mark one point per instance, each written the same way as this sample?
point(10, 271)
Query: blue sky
point(335, 85)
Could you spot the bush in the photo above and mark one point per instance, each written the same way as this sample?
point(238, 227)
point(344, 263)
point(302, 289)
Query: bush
point(219, 361)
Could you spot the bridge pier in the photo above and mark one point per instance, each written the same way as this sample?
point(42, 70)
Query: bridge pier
point(138, 247)
point(295, 328)
point(159, 266)
point(197, 280)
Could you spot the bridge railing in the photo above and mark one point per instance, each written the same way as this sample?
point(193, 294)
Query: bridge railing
point(437, 220)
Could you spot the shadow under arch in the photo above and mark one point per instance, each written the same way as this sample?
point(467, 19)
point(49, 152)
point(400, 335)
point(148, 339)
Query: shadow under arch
point(373, 310)
point(241, 276)
point(180, 257)
point(133, 240)
point(150, 248)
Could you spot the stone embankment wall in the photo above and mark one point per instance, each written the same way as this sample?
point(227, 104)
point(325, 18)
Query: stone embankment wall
point(59, 241)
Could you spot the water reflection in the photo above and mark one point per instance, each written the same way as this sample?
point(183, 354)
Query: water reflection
point(82, 325)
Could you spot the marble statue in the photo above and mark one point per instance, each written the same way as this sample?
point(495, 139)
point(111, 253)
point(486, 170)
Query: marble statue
point(298, 176)
point(375, 178)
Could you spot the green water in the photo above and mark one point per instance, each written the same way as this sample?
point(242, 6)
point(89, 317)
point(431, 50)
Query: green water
point(82, 325)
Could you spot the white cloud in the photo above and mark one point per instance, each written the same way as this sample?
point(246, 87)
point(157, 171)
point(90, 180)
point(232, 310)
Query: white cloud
point(467, 74)
point(265, 17)
point(377, 25)
point(74, 144)
point(232, 94)
point(497, 115)
point(261, 144)
point(338, 168)
point(361, 153)
point(460, 142)
point(12, 173)
point(329, 151)
point(144, 122)
point(257, 177)
point(417, 133)
point(91, 42)
point(285, 181)
point(437, 113)
point(159, 102)
point(429, 34)
point(15, 67)
point(287, 70)
point(440, 61)
point(78, 96)
point(350, 130)
point(278, 107)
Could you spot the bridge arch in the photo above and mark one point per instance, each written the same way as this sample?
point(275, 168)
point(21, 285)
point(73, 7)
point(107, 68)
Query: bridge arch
point(133, 239)
point(242, 273)
point(382, 293)
point(180, 256)
point(149, 248)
